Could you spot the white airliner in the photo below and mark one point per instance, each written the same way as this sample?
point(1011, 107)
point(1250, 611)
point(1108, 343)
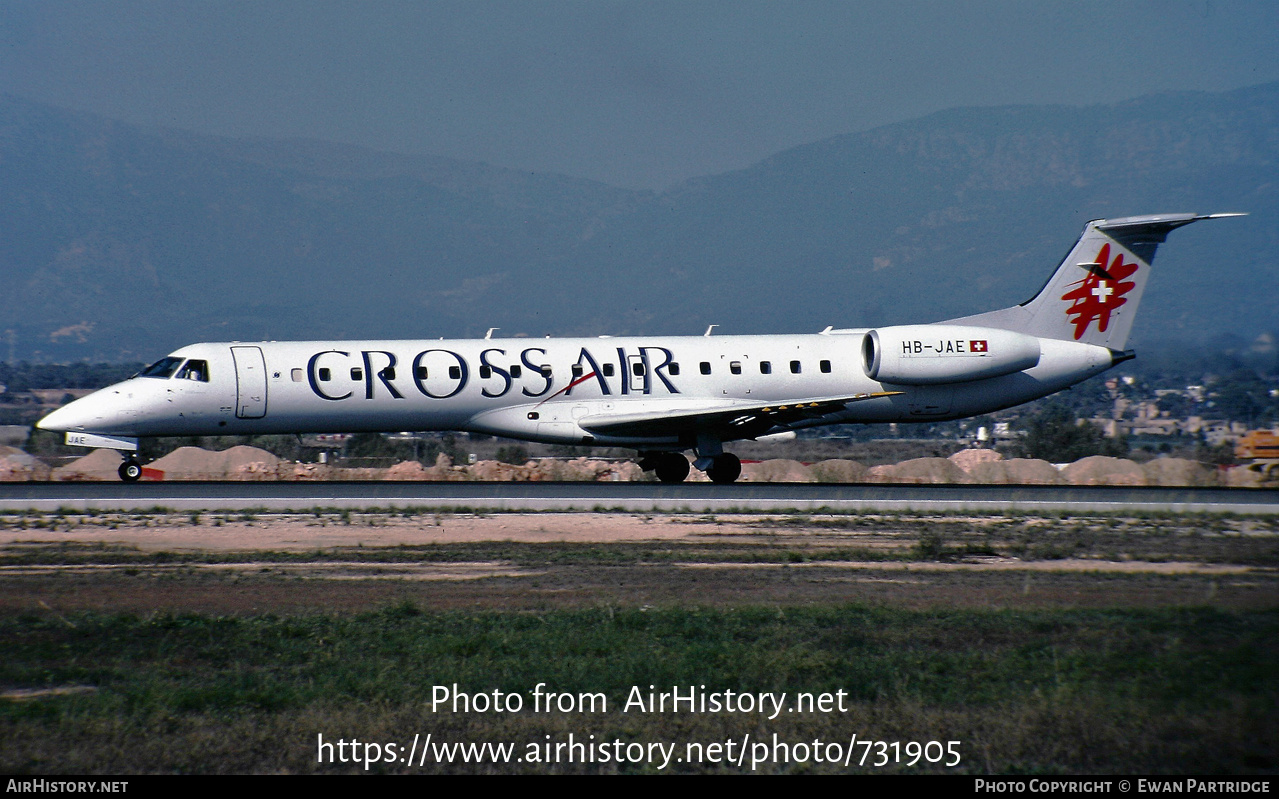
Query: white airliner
point(658, 395)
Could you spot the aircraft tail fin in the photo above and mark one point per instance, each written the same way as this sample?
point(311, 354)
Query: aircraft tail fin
point(1093, 295)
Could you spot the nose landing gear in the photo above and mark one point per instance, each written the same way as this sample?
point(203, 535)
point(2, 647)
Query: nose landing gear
point(130, 471)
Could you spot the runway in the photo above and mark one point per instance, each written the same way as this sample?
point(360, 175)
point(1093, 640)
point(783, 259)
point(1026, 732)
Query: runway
point(633, 497)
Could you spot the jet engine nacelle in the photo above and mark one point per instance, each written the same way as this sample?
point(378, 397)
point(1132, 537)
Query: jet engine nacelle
point(921, 355)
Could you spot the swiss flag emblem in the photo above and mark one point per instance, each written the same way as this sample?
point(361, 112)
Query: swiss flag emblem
point(977, 346)
point(1100, 293)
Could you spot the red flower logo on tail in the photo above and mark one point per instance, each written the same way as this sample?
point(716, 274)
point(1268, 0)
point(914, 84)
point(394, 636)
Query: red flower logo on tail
point(1100, 293)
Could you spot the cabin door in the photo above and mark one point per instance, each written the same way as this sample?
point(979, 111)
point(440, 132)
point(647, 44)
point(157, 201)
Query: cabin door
point(250, 382)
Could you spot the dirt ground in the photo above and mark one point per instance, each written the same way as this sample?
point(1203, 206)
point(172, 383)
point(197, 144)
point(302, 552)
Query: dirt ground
point(348, 562)
point(305, 533)
point(308, 532)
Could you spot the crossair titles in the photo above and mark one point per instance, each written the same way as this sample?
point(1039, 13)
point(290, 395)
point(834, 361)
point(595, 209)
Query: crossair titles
point(439, 373)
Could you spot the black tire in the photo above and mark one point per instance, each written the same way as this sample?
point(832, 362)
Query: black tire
point(130, 471)
point(672, 467)
point(725, 468)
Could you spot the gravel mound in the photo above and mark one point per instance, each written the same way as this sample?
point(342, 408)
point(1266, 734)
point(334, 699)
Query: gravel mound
point(101, 464)
point(1099, 470)
point(236, 463)
point(549, 469)
point(1018, 471)
point(1178, 472)
point(496, 471)
point(408, 471)
point(838, 470)
point(919, 470)
point(304, 471)
point(966, 466)
point(17, 466)
point(966, 459)
point(777, 470)
point(581, 470)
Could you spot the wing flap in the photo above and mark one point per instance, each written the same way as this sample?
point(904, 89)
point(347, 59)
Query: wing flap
point(741, 420)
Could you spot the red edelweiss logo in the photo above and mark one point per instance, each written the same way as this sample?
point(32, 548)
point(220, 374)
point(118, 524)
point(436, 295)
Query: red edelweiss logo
point(1100, 293)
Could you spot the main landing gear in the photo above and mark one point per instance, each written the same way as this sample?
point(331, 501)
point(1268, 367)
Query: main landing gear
point(724, 468)
point(672, 467)
point(720, 466)
point(130, 471)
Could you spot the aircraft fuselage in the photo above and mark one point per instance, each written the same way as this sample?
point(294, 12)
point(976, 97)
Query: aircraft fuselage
point(540, 389)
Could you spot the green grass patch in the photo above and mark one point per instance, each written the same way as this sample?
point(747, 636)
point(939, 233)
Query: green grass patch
point(1155, 690)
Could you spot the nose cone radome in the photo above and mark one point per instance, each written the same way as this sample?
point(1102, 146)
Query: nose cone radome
point(64, 419)
point(95, 413)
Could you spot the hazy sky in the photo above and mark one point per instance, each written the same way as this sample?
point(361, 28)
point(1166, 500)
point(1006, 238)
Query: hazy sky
point(638, 94)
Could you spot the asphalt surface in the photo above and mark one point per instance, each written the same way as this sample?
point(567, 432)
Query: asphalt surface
point(643, 497)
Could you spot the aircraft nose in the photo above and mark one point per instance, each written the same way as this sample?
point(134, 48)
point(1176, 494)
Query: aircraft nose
point(86, 413)
point(66, 418)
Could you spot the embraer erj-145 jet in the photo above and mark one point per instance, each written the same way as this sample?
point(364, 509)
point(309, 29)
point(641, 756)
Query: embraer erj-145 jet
point(659, 395)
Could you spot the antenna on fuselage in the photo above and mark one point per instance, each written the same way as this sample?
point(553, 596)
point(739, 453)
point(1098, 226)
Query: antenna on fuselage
point(709, 328)
point(489, 334)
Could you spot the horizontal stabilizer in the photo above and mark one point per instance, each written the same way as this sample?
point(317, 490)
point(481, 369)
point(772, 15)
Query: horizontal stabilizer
point(1143, 234)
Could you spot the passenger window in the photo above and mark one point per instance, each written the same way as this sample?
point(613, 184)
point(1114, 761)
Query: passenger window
point(765, 368)
point(325, 374)
point(546, 371)
point(794, 367)
point(388, 373)
point(705, 367)
point(455, 373)
point(735, 367)
point(421, 373)
point(638, 368)
point(516, 371)
point(296, 374)
point(576, 370)
point(673, 369)
point(608, 370)
point(486, 372)
point(825, 367)
point(357, 373)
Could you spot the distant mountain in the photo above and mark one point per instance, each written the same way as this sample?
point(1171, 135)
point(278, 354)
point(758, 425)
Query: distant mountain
point(967, 210)
point(121, 243)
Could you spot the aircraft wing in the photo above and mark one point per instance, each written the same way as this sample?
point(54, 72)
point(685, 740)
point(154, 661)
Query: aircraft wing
point(741, 421)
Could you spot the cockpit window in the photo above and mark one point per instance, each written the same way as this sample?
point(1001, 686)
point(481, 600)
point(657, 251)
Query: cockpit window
point(194, 370)
point(163, 368)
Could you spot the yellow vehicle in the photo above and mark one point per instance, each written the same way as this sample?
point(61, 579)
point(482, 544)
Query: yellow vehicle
point(1262, 448)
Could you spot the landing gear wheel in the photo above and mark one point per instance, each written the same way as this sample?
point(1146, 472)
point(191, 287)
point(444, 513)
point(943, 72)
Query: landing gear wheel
point(725, 468)
point(671, 467)
point(130, 470)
